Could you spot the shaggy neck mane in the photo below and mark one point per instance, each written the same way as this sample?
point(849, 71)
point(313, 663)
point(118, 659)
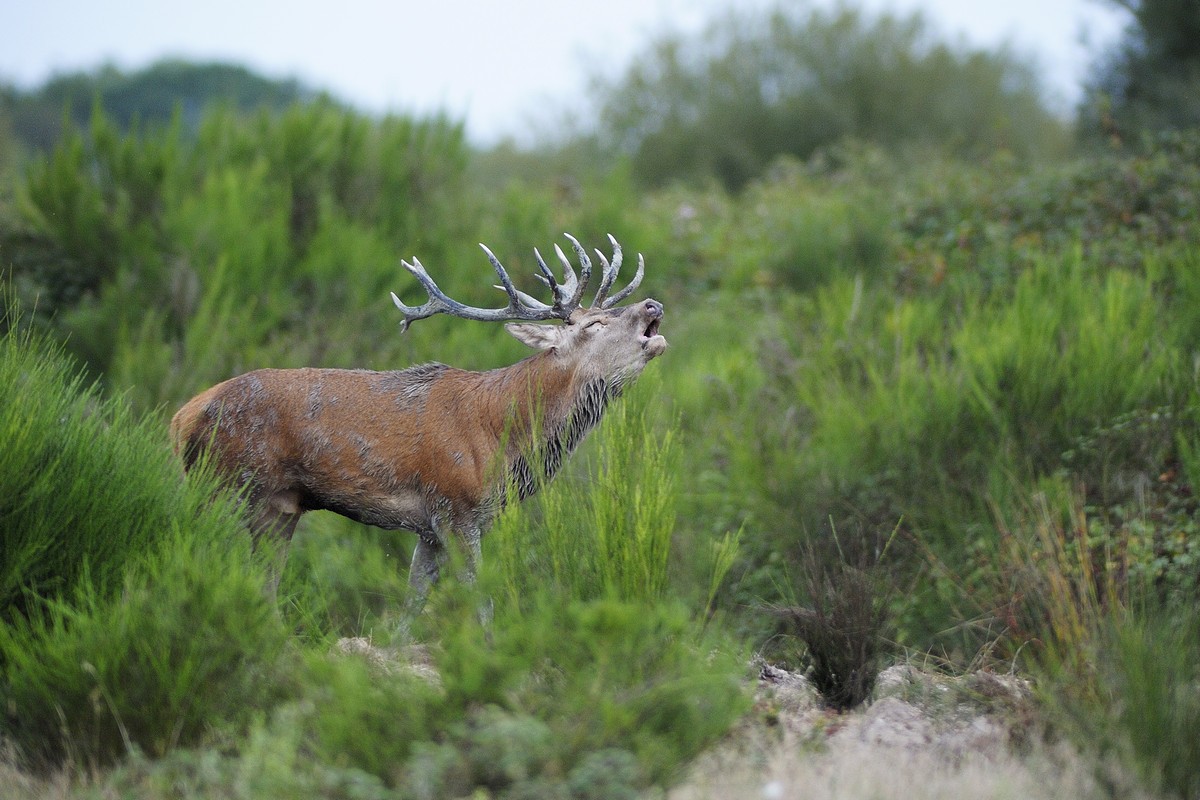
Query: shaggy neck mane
point(562, 428)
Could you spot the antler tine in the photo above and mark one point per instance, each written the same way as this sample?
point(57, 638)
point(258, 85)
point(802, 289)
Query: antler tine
point(585, 269)
point(562, 291)
point(438, 302)
point(519, 303)
point(633, 284)
point(506, 282)
point(610, 274)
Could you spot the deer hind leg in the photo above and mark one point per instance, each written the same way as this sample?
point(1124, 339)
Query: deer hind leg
point(274, 519)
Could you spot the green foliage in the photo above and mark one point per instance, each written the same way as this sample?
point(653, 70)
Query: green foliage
point(189, 646)
point(345, 579)
point(605, 532)
point(585, 653)
point(756, 85)
point(169, 264)
point(1144, 718)
point(353, 717)
point(152, 95)
point(600, 674)
point(999, 355)
point(87, 490)
point(133, 614)
point(1157, 708)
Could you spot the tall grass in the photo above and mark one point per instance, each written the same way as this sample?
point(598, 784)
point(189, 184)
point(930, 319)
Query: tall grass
point(603, 529)
point(1119, 664)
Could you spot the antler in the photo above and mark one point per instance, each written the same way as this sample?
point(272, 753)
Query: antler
point(610, 275)
point(522, 306)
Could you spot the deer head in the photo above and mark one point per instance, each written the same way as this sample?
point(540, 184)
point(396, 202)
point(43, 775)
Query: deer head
point(605, 340)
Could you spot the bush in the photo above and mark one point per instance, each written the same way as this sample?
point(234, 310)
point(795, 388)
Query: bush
point(599, 674)
point(844, 619)
point(191, 647)
point(134, 616)
point(167, 262)
point(345, 579)
point(86, 490)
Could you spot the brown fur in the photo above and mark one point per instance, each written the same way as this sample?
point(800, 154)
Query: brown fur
point(350, 440)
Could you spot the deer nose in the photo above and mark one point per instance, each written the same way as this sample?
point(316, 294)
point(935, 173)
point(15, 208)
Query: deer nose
point(653, 308)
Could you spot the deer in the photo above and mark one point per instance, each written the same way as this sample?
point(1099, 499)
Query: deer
point(430, 449)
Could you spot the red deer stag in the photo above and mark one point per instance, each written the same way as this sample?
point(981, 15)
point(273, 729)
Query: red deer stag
point(430, 449)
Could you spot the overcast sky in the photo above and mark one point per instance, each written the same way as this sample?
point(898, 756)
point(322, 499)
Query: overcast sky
point(494, 64)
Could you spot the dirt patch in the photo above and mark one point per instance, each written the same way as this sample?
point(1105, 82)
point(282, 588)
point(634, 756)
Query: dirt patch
point(922, 735)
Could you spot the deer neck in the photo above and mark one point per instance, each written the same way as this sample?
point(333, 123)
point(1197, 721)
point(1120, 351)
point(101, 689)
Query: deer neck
point(565, 405)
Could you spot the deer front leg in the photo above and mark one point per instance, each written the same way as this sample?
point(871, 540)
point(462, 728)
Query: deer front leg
point(473, 559)
point(428, 558)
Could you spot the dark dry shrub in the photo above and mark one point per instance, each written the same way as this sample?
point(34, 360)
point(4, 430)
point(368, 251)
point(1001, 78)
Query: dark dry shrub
point(843, 625)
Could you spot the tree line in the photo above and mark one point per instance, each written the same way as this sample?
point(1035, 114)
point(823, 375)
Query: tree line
point(724, 103)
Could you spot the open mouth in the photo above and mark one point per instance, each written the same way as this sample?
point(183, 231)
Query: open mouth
point(652, 343)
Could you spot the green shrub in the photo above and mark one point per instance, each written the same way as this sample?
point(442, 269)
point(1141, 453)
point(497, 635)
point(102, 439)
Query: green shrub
point(584, 641)
point(1155, 708)
point(168, 262)
point(1135, 706)
point(345, 579)
point(794, 229)
point(355, 717)
point(86, 490)
point(600, 674)
point(607, 533)
point(191, 646)
point(134, 616)
point(723, 104)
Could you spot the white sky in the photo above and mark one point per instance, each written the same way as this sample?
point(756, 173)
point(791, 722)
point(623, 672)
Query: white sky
point(495, 64)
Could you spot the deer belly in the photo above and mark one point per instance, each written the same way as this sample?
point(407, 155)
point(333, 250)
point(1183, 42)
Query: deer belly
point(405, 509)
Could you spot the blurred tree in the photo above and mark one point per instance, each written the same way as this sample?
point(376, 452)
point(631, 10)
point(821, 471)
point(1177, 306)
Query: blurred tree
point(150, 95)
point(1150, 80)
point(756, 85)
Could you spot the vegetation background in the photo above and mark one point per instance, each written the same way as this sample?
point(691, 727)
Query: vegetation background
point(931, 394)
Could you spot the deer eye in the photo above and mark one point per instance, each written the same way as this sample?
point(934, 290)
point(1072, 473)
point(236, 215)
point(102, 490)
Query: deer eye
point(594, 323)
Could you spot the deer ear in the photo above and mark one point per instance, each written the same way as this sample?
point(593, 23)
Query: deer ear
point(539, 337)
